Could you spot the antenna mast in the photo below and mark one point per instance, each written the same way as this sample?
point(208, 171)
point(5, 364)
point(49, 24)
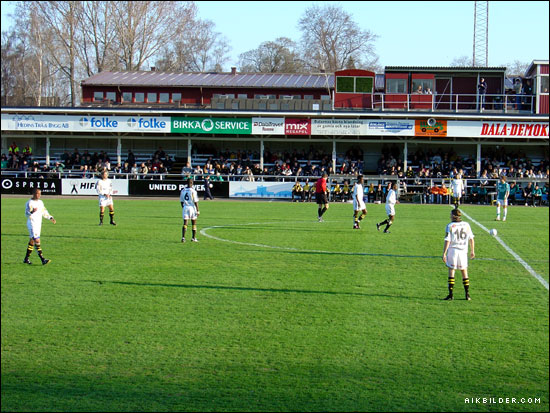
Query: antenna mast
point(481, 34)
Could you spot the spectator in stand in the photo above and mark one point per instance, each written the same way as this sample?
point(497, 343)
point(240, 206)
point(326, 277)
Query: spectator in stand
point(131, 159)
point(528, 193)
point(482, 90)
point(474, 194)
point(27, 153)
point(379, 194)
point(143, 171)
point(307, 191)
point(514, 190)
point(346, 192)
point(371, 194)
point(537, 196)
point(528, 95)
point(298, 192)
point(517, 90)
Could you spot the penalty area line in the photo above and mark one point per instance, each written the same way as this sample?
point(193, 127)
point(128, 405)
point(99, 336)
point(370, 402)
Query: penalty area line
point(529, 269)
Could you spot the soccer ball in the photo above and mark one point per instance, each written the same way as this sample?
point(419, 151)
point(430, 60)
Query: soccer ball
point(493, 232)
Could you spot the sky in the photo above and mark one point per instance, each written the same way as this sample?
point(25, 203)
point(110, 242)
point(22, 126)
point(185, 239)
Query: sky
point(410, 33)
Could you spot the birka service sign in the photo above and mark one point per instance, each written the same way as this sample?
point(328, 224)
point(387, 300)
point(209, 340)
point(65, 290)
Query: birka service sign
point(231, 126)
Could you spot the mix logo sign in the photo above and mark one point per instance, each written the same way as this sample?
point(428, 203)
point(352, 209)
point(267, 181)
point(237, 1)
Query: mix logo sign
point(297, 126)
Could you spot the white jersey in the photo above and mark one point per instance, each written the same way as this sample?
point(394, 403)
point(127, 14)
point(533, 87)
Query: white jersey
point(189, 196)
point(458, 234)
point(458, 187)
point(391, 199)
point(104, 187)
point(34, 221)
point(358, 203)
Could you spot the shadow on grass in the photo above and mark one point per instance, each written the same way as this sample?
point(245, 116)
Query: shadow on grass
point(266, 290)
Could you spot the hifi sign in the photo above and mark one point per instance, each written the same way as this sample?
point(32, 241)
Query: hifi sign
point(238, 126)
point(75, 186)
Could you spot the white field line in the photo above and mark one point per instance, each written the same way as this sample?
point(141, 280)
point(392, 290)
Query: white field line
point(511, 252)
point(252, 244)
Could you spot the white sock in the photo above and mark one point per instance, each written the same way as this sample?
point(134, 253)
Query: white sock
point(505, 212)
point(498, 212)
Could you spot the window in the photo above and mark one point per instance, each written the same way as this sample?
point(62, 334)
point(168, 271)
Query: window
point(364, 84)
point(152, 97)
point(127, 96)
point(164, 97)
point(242, 96)
point(424, 83)
point(396, 86)
point(140, 97)
point(98, 96)
point(111, 96)
point(345, 84)
point(544, 84)
point(176, 97)
point(351, 84)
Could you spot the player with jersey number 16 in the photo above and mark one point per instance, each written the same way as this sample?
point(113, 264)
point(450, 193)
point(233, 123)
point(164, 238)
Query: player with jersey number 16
point(455, 251)
point(189, 200)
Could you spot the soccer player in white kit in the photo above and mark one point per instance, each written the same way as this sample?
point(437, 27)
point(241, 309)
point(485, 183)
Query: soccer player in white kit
point(457, 185)
point(358, 203)
point(455, 251)
point(189, 200)
point(104, 189)
point(391, 200)
point(35, 210)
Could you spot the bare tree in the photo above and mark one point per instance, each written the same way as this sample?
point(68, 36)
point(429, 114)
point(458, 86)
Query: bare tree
point(280, 55)
point(462, 61)
point(330, 38)
point(144, 28)
point(516, 68)
point(97, 25)
point(199, 48)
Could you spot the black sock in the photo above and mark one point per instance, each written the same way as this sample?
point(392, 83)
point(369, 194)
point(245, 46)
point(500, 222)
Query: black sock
point(323, 210)
point(112, 216)
point(101, 215)
point(388, 225)
point(319, 212)
point(466, 282)
point(451, 285)
point(39, 251)
point(30, 247)
point(183, 229)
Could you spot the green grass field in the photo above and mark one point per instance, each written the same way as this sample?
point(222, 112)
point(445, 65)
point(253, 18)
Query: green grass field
point(270, 311)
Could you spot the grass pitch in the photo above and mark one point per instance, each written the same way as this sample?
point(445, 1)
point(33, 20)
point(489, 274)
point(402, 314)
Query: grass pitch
point(270, 311)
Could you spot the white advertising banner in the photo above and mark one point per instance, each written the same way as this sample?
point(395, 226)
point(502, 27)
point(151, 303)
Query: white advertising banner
point(362, 127)
point(270, 190)
point(389, 127)
point(497, 129)
point(268, 126)
point(337, 126)
point(63, 123)
point(77, 186)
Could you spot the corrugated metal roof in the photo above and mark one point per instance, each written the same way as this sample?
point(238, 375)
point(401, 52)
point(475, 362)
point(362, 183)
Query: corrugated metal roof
point(255, 80)
point(445, 68)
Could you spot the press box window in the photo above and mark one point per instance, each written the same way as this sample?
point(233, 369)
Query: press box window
point(127, 96)
point(425, 83)
point(98, 96)
point(176, 97)
point(151, 97)
point(350, 84)
point(164, 97)
point(140, 97)
point(396, 86)
point(111, 96)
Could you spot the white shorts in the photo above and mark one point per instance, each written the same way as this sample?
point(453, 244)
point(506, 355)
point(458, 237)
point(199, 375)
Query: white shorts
point(104, 201)
point(34, 230)
point(390, 210)
point(358, 206)
point(457, 259)
point(189, 212)
point(503, 202)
